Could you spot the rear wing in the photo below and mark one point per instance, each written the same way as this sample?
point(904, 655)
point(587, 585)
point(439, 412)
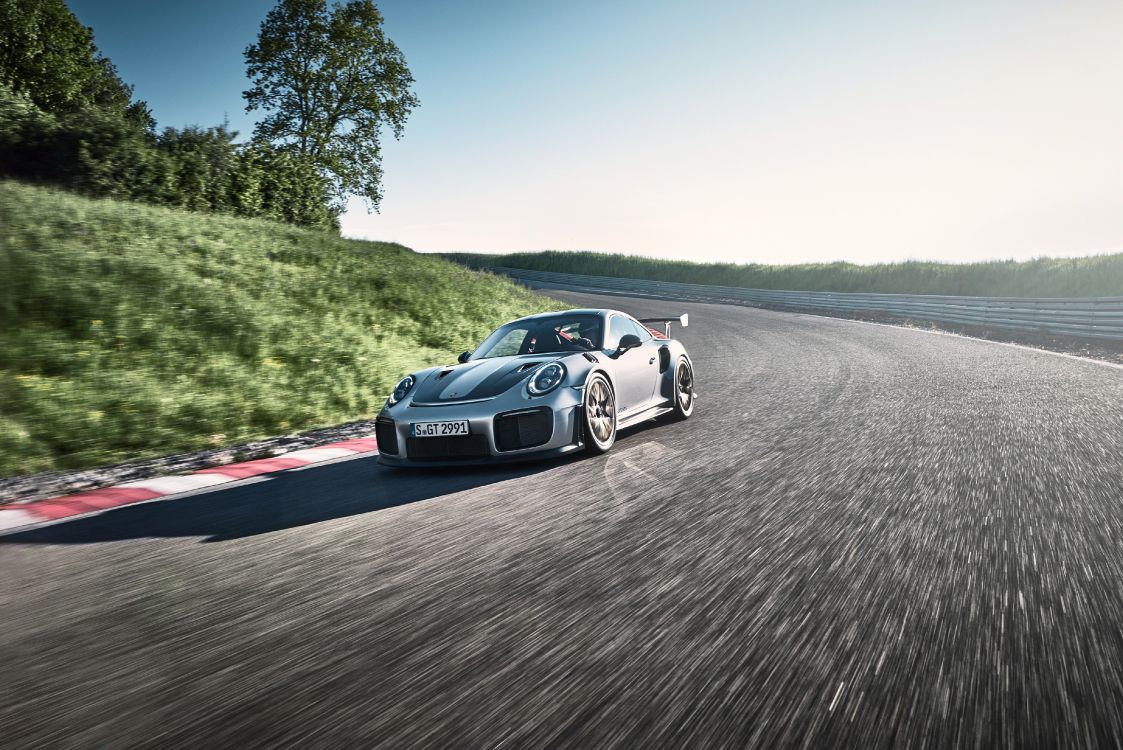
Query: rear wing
point(683, 320)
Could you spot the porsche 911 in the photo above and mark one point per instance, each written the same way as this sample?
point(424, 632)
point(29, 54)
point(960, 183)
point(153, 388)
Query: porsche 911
point(540, 386)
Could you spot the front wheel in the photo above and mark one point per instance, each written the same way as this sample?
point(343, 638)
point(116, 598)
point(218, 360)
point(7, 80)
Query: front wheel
point(684, 390)
point(600, 415)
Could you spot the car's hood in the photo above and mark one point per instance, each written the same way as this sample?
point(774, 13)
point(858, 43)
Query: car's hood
point(481, 378)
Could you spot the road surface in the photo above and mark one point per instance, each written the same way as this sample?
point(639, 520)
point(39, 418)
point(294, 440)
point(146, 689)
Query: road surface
point(866, 536)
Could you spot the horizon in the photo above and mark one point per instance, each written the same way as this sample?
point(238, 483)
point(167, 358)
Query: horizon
point(953, 133)
point(901, 261)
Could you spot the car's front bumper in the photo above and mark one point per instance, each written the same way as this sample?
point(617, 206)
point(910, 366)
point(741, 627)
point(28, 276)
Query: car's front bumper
point(486, 445)
point(530, 455)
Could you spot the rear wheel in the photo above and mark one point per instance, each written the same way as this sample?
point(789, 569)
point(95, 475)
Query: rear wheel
point(684, 390)
point(600, 415)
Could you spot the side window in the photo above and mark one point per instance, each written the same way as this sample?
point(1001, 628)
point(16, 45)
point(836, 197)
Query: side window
point(641, 331)
point(510, 344)
point(618, 325)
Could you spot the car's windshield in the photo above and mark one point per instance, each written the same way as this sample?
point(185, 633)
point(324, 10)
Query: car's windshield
point(556, 333)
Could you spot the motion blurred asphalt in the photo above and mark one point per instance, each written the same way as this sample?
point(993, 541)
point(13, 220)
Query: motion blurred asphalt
point(866, 536)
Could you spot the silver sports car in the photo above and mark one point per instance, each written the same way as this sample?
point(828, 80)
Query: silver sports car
point(539, 386)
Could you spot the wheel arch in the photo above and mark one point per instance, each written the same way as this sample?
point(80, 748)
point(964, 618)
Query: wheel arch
point(600, 370)
point(667, 378)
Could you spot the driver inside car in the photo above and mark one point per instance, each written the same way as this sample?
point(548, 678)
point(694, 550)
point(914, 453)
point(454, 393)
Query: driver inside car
point(581, 335)
point(576, 336)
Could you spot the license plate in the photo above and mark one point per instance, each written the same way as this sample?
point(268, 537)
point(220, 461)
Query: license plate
point(438, 429)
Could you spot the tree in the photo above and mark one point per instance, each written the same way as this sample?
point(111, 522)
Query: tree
point(47, 54)
point(67, 119)
point(330, 79)
point(205, 161)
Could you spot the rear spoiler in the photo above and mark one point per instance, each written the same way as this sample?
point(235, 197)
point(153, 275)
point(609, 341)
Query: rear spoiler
point(683, 320)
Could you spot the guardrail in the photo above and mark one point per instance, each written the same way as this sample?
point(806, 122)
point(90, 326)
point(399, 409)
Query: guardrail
point(1083, 317)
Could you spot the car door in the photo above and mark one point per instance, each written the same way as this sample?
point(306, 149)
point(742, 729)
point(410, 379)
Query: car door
point(633, 374)
point(650, 357)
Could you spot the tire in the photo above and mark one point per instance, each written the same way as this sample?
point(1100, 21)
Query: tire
point(683, 390)
point(599, 414)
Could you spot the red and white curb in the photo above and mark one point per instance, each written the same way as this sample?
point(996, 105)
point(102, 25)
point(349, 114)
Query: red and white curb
point(21, 516)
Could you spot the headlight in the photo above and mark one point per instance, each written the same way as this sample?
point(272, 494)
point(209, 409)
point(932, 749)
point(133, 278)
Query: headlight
point(401, 390)
point(546, 378)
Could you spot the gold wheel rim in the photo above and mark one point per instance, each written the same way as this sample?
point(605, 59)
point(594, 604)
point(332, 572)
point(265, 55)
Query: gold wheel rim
point(602, 411)
point(685, 387)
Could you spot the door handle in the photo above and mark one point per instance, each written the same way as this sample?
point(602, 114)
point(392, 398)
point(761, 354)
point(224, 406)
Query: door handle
point(651, 361)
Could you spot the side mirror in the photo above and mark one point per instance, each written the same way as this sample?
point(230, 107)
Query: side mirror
point(463, 357)
point(627, 341)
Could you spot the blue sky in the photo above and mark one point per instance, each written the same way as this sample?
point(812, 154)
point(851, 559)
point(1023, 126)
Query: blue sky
point(752, 132)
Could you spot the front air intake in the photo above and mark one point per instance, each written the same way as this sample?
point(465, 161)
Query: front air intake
point(450, 448)
point(526, 428)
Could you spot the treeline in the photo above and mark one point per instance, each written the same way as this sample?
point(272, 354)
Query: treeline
point(68, 120)
point(1098, 275)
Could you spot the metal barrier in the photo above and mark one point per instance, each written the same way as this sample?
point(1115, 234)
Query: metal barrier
point(1084, 317)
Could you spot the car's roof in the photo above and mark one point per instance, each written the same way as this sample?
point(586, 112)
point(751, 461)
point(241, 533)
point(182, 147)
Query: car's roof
point(575, 311)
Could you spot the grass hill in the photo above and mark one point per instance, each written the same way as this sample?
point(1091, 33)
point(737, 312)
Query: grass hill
point(1094, 276)
point(129, 331)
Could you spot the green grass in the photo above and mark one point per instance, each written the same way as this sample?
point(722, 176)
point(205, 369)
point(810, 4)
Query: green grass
point(129, 331)
point(1100, 275)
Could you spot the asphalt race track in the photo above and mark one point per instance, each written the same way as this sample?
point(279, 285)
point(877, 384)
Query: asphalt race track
point(866, 537)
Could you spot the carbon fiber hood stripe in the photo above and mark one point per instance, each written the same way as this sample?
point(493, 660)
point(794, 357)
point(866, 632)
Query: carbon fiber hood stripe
point(484, 378)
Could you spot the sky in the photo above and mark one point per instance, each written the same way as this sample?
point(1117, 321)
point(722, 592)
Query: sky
point(765, 132)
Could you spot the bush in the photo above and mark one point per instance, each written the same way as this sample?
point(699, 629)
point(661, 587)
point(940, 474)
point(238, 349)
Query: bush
point(105, 155)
